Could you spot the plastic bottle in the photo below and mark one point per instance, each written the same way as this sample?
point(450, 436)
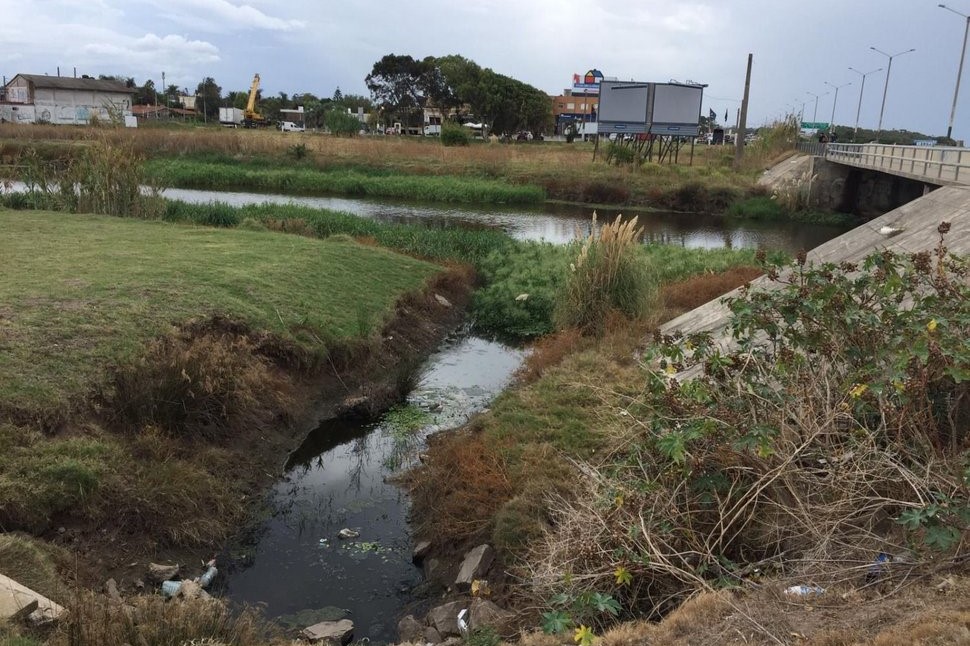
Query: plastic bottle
point(206, 578)
point(170, 588)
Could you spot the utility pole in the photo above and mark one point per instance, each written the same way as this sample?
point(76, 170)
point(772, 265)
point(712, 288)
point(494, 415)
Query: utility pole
point(742, 117)
point(862, 89)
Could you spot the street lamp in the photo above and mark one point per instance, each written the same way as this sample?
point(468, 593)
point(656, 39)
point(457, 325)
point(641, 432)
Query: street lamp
point(815, 113)
point(885, 89)
point(835, 102)
point(963, 51)
point(861, 90)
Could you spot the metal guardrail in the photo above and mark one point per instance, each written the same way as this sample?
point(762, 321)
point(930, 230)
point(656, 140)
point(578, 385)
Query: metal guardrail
point(934, 164)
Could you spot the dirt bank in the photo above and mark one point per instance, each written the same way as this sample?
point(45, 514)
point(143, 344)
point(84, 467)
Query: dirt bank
point(187, 512)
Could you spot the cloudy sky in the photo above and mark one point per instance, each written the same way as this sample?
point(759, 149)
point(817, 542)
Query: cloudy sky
point(318, 45)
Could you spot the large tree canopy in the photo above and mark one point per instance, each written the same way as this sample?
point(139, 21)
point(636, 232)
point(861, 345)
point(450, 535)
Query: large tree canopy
point(401, 84)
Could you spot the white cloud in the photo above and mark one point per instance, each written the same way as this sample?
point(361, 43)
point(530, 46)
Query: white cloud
point(150, 49)
point(222, 15)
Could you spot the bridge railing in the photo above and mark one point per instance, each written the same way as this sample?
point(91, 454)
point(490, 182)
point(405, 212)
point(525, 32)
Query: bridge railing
point(947, 165)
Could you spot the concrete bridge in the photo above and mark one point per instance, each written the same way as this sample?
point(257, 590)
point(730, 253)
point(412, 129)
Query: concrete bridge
point(936, 165)
point(907, 229)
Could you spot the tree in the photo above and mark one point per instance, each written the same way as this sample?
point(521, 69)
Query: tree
point(395, 85)
point(146, 94)
point(339, 122)
point(337, 95)
point(172, 95)
point(208, 97)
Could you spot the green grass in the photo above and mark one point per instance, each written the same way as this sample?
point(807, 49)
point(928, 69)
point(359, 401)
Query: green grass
point(455, 189)
point(82, 295)
point(455, 244)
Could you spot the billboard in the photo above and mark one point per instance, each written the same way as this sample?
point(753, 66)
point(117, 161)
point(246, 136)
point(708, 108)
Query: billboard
point(676, 109)
point(588, 83)
point(623, 106)
point(657, 108)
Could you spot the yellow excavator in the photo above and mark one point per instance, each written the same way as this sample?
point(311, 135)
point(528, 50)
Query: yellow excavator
point(251, 118)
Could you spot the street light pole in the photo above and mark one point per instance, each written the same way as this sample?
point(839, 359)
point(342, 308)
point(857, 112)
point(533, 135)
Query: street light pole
point(963, 51)
point(835, 102)
point(885, 88)
point(862, 89)
point(815, 113)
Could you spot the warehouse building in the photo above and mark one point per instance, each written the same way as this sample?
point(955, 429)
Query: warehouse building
point(36, 98)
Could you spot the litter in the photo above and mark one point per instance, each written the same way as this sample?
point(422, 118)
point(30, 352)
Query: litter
point(347, 533)
point(463, 622)
point(804, 590)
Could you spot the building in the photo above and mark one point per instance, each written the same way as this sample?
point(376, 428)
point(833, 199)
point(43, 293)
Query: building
point(36, 98)
point(579, 103)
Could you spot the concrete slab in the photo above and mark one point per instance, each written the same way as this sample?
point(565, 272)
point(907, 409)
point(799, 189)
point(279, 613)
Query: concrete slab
point(15, 597)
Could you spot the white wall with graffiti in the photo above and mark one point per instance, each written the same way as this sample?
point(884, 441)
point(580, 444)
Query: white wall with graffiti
point(62, 106)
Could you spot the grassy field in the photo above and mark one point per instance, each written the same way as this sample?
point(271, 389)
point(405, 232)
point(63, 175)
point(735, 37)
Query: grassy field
point(562, 171)
point(82, 295)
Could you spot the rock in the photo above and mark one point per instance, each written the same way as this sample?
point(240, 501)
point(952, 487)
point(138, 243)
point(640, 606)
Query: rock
point(139, 585)
point(159, 573)
point(431, 635)
point(310, 616)
point(189, 590)
point(330, 632)
point(485, 613)
point(444, 302)
point(445, 618)
point(453, 641)
point(432, 569)
point(111, 587)
point(475, 566)
point(420, 551)
point(410, 629)
point(347, 533)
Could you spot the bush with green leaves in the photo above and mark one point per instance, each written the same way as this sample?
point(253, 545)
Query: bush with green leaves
point(453, 134)
point(522, 283)
point(342, 123)
point(837, 403)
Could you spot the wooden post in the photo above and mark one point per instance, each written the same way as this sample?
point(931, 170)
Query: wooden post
point(743, 119)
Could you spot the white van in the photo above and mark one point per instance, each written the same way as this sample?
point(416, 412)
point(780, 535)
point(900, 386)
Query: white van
point(289, 126)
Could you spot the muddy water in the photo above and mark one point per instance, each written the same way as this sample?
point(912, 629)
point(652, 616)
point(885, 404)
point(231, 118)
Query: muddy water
point(339, 479)
point(555, 222)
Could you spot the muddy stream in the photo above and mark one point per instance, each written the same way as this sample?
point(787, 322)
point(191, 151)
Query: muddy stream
point(295, 565)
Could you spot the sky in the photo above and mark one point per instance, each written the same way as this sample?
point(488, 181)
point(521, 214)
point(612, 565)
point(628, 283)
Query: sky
point(318, 45)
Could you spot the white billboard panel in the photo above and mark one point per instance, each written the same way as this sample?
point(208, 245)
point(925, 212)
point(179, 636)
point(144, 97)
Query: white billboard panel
point(623, 106)
point(677, 104)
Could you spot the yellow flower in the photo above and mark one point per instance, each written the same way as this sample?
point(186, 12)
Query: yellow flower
point(858, 390)
point(584, 636)
point(670, 370)
point(931, 326)
point(618, 500)
point(899, 386)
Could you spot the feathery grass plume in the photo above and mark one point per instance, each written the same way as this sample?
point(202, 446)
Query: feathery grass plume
point(609, 274)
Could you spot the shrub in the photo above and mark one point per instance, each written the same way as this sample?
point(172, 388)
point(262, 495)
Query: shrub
point(341, 123)
point(453, 134)
point(608, 275)
point(839, 403)
point(521, 286)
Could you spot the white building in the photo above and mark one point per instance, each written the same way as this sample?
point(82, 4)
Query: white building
point(35, 98)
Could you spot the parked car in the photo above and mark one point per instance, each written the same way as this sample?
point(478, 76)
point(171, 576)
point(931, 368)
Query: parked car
point(289, 126)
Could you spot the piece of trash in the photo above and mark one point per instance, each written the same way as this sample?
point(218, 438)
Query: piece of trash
point(463, 622)
point(170, 588)
point(888, 231)
point(210, 574)
point(347, 533)
point(521, 297)
point(804, 590)
point(878, 568)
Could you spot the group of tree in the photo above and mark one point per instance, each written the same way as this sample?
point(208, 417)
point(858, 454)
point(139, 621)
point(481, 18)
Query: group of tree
point(401, 86)
point(333, 112)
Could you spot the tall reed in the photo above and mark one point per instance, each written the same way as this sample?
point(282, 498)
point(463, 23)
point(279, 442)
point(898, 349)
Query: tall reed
point(609, 275)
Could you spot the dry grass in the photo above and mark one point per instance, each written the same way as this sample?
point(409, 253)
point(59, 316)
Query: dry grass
point(565, 172)
point(93, 620)
point(548, 352)
point(692, 293)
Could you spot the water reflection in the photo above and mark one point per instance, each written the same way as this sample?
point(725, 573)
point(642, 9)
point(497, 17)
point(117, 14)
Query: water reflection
point(554, 223)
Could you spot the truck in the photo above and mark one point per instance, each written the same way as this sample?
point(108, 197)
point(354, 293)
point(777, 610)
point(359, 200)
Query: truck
point(230, 117)
point(432, 130)
point(587, 130)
